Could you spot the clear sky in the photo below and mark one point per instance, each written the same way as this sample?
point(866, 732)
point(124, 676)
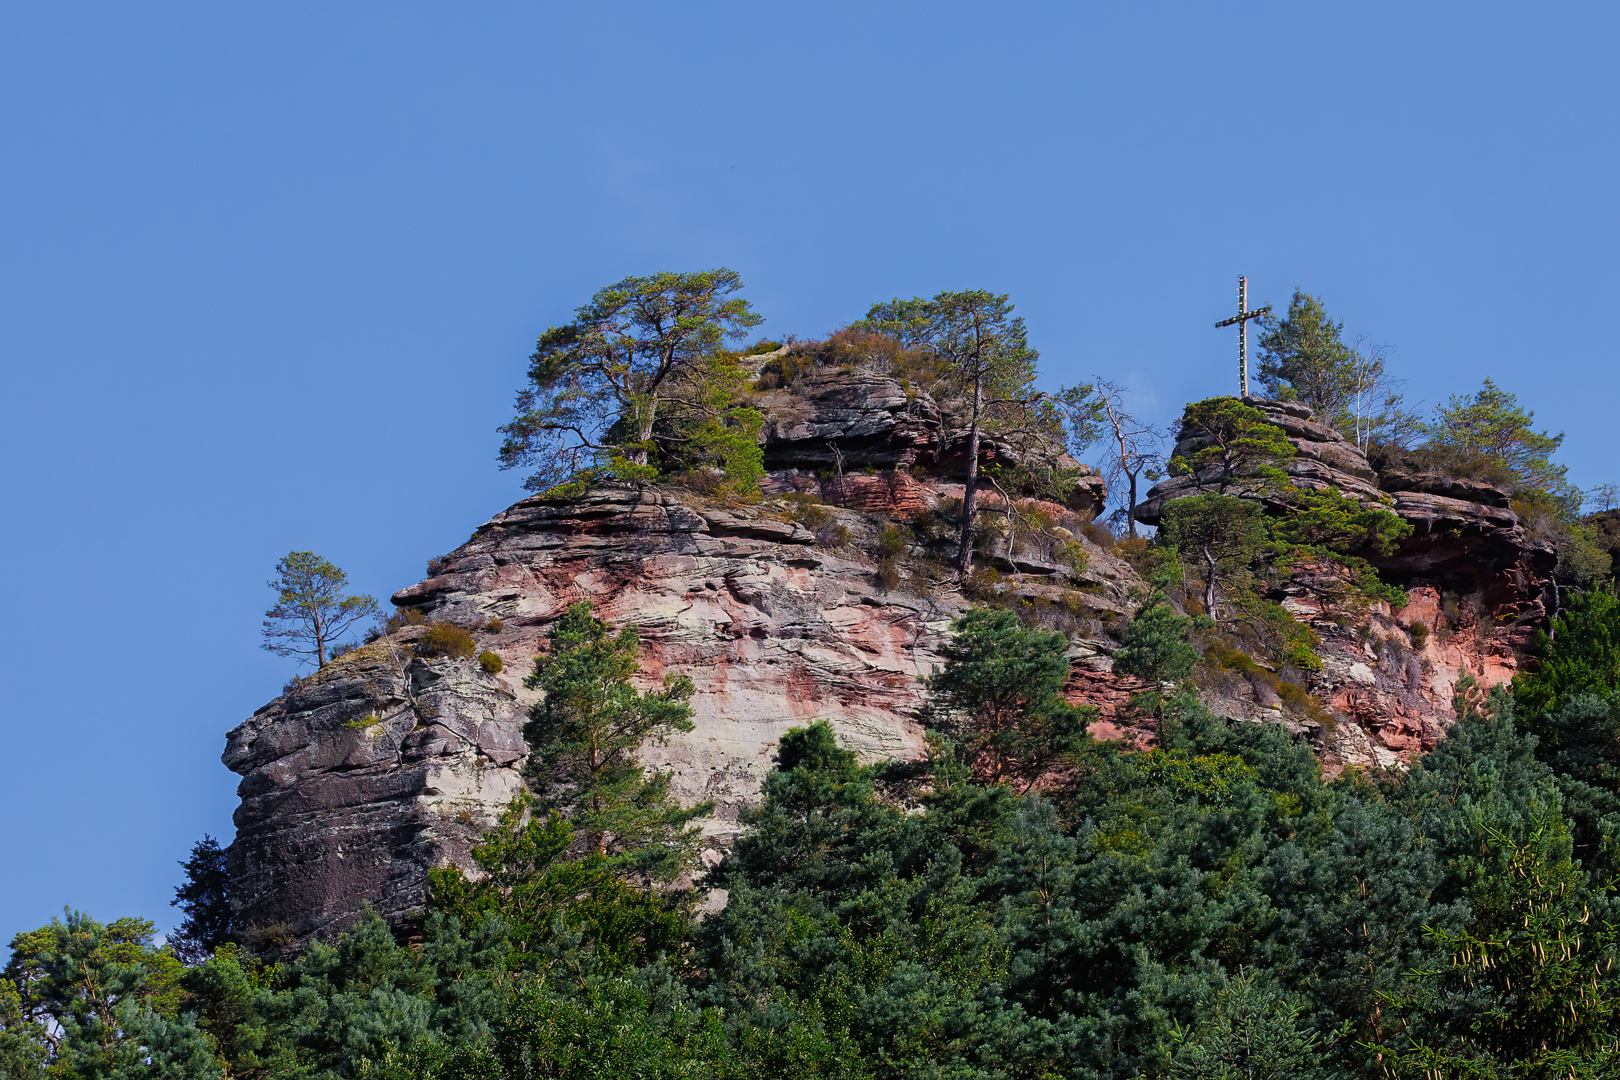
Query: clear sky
point(269, 274)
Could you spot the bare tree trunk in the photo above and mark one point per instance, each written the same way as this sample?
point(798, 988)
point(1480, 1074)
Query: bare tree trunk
point(964, 550)
point(640, 456)
point(838, 461)
point(1209, 584)
point(1130, 510)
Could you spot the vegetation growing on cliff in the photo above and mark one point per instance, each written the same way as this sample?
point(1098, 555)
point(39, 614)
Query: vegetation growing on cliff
point(1028, 902)
point(1171, 912)
point(311, 613)
point(643, 351)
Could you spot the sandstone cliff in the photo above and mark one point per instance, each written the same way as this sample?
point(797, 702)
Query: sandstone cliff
point(799, 607)
point(386, 762)
point(1477, 584)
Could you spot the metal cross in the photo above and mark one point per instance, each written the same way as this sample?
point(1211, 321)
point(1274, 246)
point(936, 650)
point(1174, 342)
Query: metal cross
point(1242, 319)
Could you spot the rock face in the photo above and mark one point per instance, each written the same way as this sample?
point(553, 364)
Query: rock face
point(863, 437)
point(1476, 585)
point(387, 763)
point(1464, 536)
point(358, 779)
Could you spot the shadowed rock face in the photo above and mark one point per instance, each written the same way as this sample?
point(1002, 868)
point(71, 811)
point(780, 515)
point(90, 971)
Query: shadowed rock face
point(835, 425)
point(359, 778)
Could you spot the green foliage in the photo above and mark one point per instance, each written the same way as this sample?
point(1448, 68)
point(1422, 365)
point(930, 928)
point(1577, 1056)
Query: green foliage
point(1580, 656)
point(1330, 521)
point(205, 900)
point(1210, 907)
point(999, 697)
point(490, 662)
point(97, 1000)
point(584, 735)
point(1252, 1032)
point(311, 614)
point(1491, 423)
point(446, 639)
point(1231, 441)
point(1157, 645)
point(1526, 989)
point(533, 882)
point(642, 349)
point(1303, 357)
point(1221, 537)
point(1288, 640)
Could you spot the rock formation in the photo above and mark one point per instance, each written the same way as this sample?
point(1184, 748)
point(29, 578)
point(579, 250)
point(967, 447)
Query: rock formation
point(390, 760)
point(387, 762)
point(1476, 586)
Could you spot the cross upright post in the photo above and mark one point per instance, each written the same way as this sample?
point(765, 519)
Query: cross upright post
point(1242, 320)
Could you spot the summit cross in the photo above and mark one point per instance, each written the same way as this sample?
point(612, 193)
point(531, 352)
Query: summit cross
point(1242, 320)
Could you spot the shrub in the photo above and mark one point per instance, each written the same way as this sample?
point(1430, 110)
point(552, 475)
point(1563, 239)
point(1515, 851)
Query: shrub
point(784, 371)
point(888, 573)
point(891, 542)
point(984, 585)
point(404, 617)
point(495, 626)
point(446, 639)
point(1101, 535)
point(805, 510)
point(435, 567)
point(490, 662)
point(724, 454)
point(759, 347)
point(1463, 463)
point(1420, 634)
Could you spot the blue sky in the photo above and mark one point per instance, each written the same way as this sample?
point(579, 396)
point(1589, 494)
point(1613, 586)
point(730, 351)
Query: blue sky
point(269, 275)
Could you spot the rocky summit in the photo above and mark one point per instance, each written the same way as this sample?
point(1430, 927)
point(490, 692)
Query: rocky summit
point(809, 604)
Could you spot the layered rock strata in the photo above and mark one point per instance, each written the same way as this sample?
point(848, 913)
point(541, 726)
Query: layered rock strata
point(387, 763)
point(1476, 586)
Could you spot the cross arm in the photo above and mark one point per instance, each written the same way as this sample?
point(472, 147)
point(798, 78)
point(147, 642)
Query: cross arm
point(1234, 320)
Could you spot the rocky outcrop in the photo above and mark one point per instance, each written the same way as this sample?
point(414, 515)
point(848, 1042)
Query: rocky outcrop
point(1323, 459)
point(1464, 536)
point(1475, 581)
point(358, 779)
point(863, 439)
point(389, 761)
point(386, 764)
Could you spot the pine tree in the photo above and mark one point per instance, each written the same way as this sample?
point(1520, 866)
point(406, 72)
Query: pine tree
point(311, 614)
point(1000, 697)
point(1157, 644)
point(1222, 441)
point(981, 348)
point(205, 899)
point(1303, 357)
point(1222, 536)
point(584, 735)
